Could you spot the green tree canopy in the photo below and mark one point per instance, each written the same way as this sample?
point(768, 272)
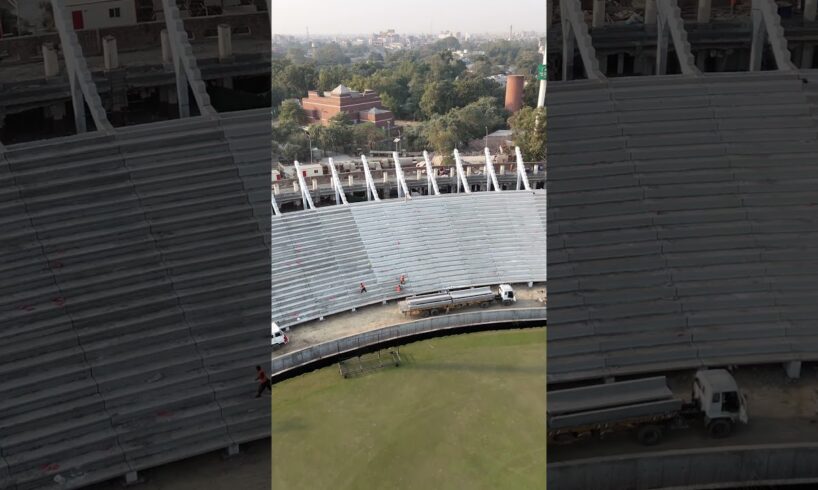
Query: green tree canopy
point(528, 127)
point(331, 54)
point(438, 98)
point(291, 112)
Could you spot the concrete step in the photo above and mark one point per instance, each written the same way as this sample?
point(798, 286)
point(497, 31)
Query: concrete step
point(121, 327)
point(55, 432)
point(22, 395)
point(50, 187)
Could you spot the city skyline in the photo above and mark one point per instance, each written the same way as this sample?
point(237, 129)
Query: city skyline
point(369, 16)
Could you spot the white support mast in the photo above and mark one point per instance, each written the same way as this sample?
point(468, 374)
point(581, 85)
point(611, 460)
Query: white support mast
point(306, 198)
point(81, 83)
point(371, 190)
point(491, 177)
point(461, 174)
point(431, 181)
point(340, 197)
point(403, 189)
point(276, 211)
point(522, 178)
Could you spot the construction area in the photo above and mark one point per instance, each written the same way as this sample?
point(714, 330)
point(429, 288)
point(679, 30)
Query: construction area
point(720, 35)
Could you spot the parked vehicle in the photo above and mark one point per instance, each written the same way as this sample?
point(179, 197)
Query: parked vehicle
point(279, 338)
point(445, 301)
point(647, 407)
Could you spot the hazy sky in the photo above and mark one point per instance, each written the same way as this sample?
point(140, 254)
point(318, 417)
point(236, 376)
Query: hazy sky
point(418, 16)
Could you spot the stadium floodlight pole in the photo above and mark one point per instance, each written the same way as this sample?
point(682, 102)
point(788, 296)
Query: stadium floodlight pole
point(371, 190)
point(522, 178)
point(403, 189)
point(541, 96)
point(491, 177)
point(340, 197)
point(430, 175)
point(306, 198)
point(461, 175)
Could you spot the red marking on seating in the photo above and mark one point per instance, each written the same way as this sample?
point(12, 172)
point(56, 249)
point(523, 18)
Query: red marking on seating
point(50, 467)
point(56, 264)
point(59, 301)
point(26, 307)
point(164, 413)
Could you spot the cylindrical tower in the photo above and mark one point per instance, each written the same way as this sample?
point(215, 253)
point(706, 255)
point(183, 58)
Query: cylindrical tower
point(514, 92)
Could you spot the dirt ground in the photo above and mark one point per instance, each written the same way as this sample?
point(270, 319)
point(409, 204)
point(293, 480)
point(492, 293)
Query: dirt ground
point(781, 410)
point(376, 316)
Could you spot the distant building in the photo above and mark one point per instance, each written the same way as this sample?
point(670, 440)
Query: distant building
point(359, 107)
point(96, 14)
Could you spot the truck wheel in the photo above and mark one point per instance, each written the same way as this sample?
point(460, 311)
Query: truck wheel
point(485, 304)
point(649, 435)
point(507, 302)
point(434, 312)
point(720, 428)
point(425, 313)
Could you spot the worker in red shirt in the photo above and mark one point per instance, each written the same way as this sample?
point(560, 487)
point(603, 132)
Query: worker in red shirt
point(263, 381)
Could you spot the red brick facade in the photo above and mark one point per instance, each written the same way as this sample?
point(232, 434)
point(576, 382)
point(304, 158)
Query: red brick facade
point(360, 107)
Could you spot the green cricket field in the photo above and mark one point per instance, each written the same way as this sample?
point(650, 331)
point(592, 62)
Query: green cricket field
point(460, 412)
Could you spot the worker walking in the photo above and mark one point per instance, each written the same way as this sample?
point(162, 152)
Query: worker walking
point(363, 288)
point(264, 382)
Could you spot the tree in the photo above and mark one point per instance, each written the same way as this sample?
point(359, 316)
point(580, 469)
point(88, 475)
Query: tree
point(527, 61)
point(296, 55)
point(298, 79)
point(292, 112)
point(531, 91)
point(367, 135)
point(413, 138)
point(337, 135)
point(528, 127)
point(331, 54)
point(482, 67)
point(480, 116)
point(448, 43)
point(468, 90)
point(443, 66)
point(438, 98)
point(442, 134)
point(331, 76)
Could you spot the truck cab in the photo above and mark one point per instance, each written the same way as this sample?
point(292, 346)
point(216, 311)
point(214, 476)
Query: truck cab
point(717, 396)
point(506, 293)
point(279, 339)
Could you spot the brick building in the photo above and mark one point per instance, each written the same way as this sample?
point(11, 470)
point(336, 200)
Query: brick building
point(360, 107)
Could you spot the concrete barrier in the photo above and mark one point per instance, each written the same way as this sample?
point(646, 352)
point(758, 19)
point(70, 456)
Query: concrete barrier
point(407, 330)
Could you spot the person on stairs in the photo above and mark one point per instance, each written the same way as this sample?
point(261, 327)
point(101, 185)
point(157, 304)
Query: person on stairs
point(264, 382)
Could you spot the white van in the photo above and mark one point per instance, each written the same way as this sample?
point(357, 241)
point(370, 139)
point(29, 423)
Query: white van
point(278, 337)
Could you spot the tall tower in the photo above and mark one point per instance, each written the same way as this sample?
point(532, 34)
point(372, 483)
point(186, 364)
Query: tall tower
point(510, 32)
point(514, 92)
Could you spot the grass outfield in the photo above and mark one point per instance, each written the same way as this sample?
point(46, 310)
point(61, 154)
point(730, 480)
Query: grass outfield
point(461, 412)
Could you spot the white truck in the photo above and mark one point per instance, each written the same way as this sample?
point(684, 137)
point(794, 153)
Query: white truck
point(646, 406)
point(279, 338)
point(445, 301)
